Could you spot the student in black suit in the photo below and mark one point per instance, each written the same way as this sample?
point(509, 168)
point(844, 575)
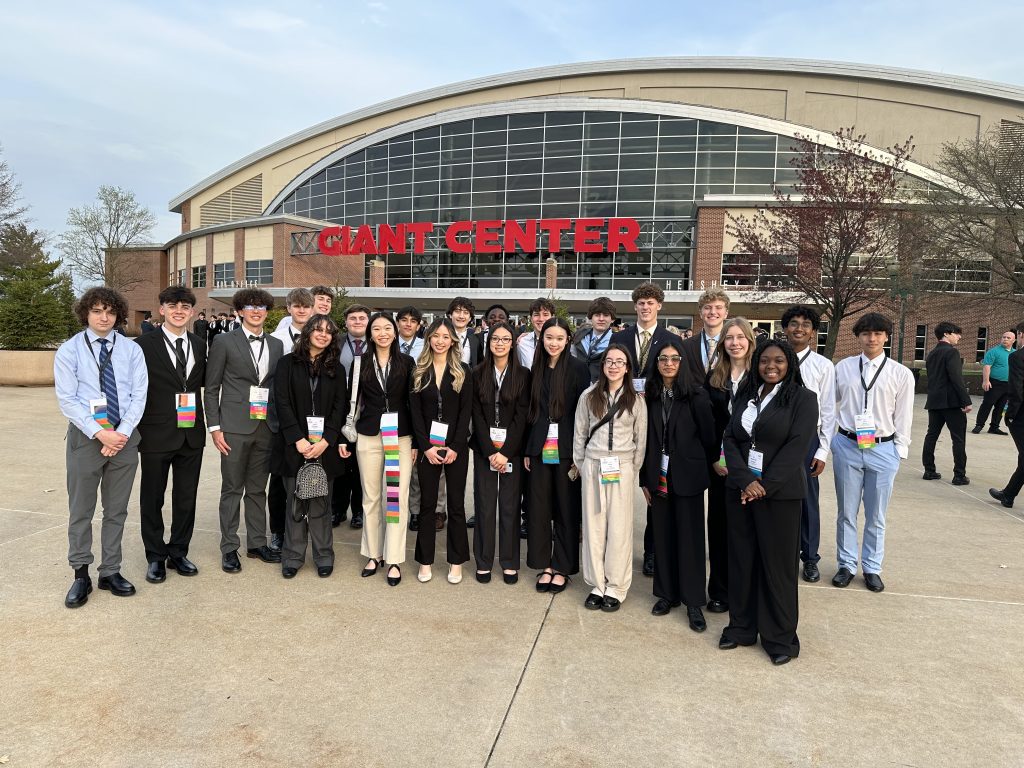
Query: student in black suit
point(702, 349)
point(470, 344)
point(1015, 421)
point(774, 419)
point(948, 403)
point(643, 342)
point(173, 434)
point(680, 431)
point(200, 327)
point(147, 323)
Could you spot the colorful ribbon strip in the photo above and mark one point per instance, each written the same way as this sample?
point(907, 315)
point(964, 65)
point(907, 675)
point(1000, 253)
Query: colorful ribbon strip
point(389, 437)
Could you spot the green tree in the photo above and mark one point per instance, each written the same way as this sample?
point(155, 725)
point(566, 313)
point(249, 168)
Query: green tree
point(36, 298)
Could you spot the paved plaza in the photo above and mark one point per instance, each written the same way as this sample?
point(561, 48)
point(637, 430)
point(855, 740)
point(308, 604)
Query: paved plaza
point(252, 670)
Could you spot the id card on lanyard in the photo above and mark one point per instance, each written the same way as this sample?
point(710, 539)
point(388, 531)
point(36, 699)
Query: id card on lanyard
point(610, 472)
point(258, 399)
point(755, 459)
point(667, 399)
point(498, 434)
point(98, 410)
point(185, 409)
point(549, 454)
point(438, 428)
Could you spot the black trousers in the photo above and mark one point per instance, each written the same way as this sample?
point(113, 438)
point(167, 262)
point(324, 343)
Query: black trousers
point(677, 524)
point(556, 516)
point(1017, 479)
point(496, 498)
point(187, 464)
point(956, 420)
point(458, 534)
point(764, 538)
point(994, 400)
point(348, 489)
point(810, 512)
point(718, 540)
point(277, 502)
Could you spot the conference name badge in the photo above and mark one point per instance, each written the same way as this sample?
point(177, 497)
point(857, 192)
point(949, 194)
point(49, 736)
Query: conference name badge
point(498, 435)
point(315, 428)
point(549, 454)
point(864, 425)
point(663, 476)
point(185, 409)
point(640, 384)
point(98, 409)
point(721, 455)
point(438, 433)
point(610, 470)
point(258, 399)
point(755, 461)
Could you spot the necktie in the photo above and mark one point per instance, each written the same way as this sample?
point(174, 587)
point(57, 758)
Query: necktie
point(358, 343)
point(179, 352)
point(406, 347)
point(254, 338)
point(645, 348)
point(109, 384)
point(712, 344)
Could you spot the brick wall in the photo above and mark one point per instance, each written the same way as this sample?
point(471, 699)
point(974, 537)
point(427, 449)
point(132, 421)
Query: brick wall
point(707, 257)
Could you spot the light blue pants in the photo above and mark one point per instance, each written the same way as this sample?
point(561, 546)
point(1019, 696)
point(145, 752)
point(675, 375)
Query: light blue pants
point(866, 474)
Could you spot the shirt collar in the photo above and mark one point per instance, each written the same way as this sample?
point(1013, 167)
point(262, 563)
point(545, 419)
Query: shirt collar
point(170, 336)
point(91, 336)
point(872, 364)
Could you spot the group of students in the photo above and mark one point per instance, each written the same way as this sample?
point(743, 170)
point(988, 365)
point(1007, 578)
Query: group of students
point(553, 427)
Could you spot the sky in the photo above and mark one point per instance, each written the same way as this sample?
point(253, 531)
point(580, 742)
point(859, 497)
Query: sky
point(154, 97)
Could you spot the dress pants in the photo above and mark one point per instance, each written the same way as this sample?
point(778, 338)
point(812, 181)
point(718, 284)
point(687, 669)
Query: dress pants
point(994, 400)
point(243, 472)
point(458, 535)
point(314, 528)
point(608, 529)
point(1017, 479)
point(187, 464)
point(347, 488)
point(862, 474)
point(555, 503)
point(277, 503)
point(380, 538)
point(678, 523)
point(496, 501)
point(90, 473)
point(718, 540)
point(810, 512)
point(956, 420)
point(763, 573)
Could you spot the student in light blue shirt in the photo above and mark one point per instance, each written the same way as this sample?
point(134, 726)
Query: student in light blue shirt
point(101, 382)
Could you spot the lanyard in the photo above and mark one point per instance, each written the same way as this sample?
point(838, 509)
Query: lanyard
point(440, 406)
point(612, 409)
point(382, 379)
point(667, 398)
point(867, 387)
point(295, 337)
point(800, 360)
point(110, 357)
point(255, 359)
point(351, 346)
point(188, 351)
point(499, 379)
point(314, 385)
point(595, 344)
point(758, 402)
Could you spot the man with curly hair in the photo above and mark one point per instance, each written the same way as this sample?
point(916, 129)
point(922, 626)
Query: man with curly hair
point(101, 382)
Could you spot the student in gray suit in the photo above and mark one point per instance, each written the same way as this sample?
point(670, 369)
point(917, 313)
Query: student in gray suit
point(239, 372)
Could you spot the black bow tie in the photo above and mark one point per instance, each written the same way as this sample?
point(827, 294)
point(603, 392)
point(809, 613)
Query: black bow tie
point(254, 338)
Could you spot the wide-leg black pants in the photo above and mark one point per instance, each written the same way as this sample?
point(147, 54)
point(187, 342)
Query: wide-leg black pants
point(430, 481)
point(677, 523)
point(556, 514)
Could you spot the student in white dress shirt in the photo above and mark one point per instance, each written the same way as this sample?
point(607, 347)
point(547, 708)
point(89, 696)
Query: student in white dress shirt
point(875, 397)
point(541, 310)
point(800, 324)
point(409, 320)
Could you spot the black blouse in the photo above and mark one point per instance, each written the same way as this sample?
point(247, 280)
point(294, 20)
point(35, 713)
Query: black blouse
point(577, 379)
point(372, 401)
point(456, 410)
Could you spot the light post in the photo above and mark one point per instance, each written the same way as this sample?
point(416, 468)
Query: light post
point(901, 288)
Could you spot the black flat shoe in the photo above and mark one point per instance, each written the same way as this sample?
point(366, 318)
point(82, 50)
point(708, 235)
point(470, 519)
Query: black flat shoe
point(356, 522)
point(230, 563)
point(696, 619)
point(182, 565)
point(778, 659)
point(543, 586)
point(977, 430)
point(594, 602)
point(648, 569)
point(555, 589)
point(323, 571)
point(117, 585)
point(156, 573)
point(996, 431)
point(842, 578)
point(510, 578)
point(811, 572)
point(471, 521)
point(337, 518)
point(725, 644)
point(264, 553)
point(662, 607)
point(394, 581)
point(78, 595)
point(414, 522)
point(874, 582)
point(368, 571)
point(288, 572)
point(999, 496)
point(483, 578)
point(523, 532)
point(610, 604)
point(717, 606)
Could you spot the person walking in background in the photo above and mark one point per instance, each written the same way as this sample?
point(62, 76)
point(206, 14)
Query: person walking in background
point(1015, 421)
point(201, 328)
point(147, 323)
point(948, 403)
point(995, 374)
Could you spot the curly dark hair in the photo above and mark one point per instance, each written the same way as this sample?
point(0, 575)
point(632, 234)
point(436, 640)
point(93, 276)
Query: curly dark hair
point(327, 361)
point(786, 387)
point(251, 297)
point(103, 297)
point(802, 310)
point(648, 290)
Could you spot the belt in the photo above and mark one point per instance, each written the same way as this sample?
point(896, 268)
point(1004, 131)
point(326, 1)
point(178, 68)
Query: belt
point(853, 436)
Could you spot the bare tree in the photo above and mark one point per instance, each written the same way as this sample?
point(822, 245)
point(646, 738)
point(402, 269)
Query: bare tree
point(833, 240)
point(118, 220)
point(10, 194)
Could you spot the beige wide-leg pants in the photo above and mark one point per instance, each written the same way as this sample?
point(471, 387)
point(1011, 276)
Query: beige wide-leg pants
point(379, 538)
point(608, 529)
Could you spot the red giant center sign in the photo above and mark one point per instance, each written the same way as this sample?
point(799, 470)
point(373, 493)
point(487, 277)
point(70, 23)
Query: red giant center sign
point(588, 236)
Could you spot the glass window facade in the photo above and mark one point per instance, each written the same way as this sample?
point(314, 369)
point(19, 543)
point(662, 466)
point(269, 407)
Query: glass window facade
point(199, 276)
point(223, 275)
point(547, 165)
point(260, 272)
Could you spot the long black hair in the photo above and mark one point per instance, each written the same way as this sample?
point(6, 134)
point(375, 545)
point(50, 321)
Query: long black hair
point(398, 362)
point(684, 385)
point(556, 399)
point(516, 375)
point(786, 388)
point(327, 361)
point(597, 400)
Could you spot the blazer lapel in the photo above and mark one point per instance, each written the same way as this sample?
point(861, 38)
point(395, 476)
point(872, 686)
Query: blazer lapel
point(245, 350)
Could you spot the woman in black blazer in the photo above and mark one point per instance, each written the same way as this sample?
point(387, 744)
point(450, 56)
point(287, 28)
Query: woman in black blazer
point(501, 399)
point(774, 419)
point(680, 432)
point(440, 423)
point(558, 380)
point(309, 386)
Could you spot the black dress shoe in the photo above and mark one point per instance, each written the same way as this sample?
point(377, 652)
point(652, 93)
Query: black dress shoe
point(323, 571)
point(182, 565)
point(594, 602)
point(961, 480)
point(523, 532)
point(471, 521)
point(394, 581)
point(778, 659)
point(156, 573)
point(610, 604)
point(543, 586)
point(356, 522)
point(264, 553)
point(276, 542)
point(977, 430)
point(438, 522)
point(288, 572)
point(483, 578)
point(414, 522)
point(78, 595)
point(842, 578)
point(717, 606)
point(649, 564)
point(337, 518)
point(696, 618)
point(811, 572)
point(510, 578)
point(725, 644)
point(931, 474)
point(117, 585)
point(555, 589)
point(996, 431)
point(230, 563)
point(999, 496)
point(662, 607)
point(874, 582)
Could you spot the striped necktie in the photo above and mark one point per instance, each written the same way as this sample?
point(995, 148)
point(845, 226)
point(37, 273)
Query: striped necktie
point(645, 348)
point(109, 384)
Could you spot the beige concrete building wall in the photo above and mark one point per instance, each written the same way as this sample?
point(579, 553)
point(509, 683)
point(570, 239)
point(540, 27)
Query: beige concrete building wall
point(223, 247)
point(259, 243)
point(199, 251)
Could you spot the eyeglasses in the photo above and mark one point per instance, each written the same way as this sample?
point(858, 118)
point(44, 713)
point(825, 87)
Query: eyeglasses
point(669, 359)
point(615, 363)
point(254, 308)
point(501, 339)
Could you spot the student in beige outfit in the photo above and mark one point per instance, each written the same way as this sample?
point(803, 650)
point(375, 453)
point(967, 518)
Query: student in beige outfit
point(608, 449)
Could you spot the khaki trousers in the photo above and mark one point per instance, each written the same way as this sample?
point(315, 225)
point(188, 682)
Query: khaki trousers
point(608, 529)
point(379, 538)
